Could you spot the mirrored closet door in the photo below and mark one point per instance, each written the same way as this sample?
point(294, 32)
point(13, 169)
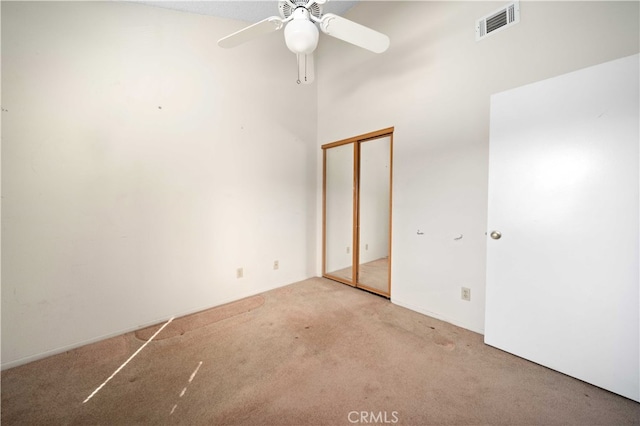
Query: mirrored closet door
point(357, 211)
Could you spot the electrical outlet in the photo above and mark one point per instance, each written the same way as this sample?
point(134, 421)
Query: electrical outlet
point(466, 294)
point(276, 265)
point(239, 273)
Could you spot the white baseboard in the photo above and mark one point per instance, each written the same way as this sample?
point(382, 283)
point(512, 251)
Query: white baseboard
point(42, 355)
point(435, 315)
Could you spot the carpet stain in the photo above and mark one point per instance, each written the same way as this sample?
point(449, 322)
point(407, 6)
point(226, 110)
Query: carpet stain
point(444, 342)
point(181, 325)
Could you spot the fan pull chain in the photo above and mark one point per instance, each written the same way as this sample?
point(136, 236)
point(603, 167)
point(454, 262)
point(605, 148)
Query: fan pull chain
point(305, 68)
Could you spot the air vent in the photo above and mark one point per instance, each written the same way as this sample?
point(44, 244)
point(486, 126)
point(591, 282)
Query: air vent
point(500, 19)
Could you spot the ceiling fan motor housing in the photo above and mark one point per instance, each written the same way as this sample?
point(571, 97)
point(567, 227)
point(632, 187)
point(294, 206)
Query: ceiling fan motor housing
point(287, 10)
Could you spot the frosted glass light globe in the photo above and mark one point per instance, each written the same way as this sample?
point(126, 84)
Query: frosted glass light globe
point(301, 36)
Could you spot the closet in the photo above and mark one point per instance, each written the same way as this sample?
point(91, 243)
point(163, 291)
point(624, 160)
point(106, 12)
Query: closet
point(357, 177)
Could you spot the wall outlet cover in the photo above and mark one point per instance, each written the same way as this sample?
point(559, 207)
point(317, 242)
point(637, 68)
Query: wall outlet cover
point(465, 294)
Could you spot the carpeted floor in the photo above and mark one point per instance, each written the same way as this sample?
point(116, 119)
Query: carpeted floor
point(313, 353)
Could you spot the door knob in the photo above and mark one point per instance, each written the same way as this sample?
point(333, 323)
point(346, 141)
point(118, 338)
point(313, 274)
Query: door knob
point(495, 235)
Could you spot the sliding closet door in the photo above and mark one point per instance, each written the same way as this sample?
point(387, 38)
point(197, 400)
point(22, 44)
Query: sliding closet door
point(357, 211)
point(374, 214)
point(339, 185)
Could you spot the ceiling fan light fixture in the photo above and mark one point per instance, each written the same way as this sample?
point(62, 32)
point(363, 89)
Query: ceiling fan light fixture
point(301, 36)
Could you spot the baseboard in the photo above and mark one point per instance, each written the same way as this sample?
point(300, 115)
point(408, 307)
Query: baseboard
point(437, 316)
point(52, 352)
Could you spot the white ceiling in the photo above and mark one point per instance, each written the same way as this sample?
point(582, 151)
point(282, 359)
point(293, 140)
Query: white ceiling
point(242, 10)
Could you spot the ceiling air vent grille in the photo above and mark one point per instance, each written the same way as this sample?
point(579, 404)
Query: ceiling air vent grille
point(500, 19)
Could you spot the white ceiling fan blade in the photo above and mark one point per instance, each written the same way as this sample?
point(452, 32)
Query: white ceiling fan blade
point(354, 33)
point(266, 26)
point(306, 69)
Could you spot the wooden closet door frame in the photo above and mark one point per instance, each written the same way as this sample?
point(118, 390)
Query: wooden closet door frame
point(356, 141)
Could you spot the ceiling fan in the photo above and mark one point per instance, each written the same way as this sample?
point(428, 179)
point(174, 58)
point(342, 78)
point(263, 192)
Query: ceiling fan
point(302, 19)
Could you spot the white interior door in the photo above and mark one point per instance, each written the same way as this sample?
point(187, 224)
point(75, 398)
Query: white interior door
point(564, 184)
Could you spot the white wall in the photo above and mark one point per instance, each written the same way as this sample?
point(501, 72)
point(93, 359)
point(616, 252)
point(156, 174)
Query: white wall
point(434, 85)
point(141, 165)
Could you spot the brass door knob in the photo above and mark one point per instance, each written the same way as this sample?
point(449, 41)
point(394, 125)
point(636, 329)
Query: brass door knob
point(495, 235)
